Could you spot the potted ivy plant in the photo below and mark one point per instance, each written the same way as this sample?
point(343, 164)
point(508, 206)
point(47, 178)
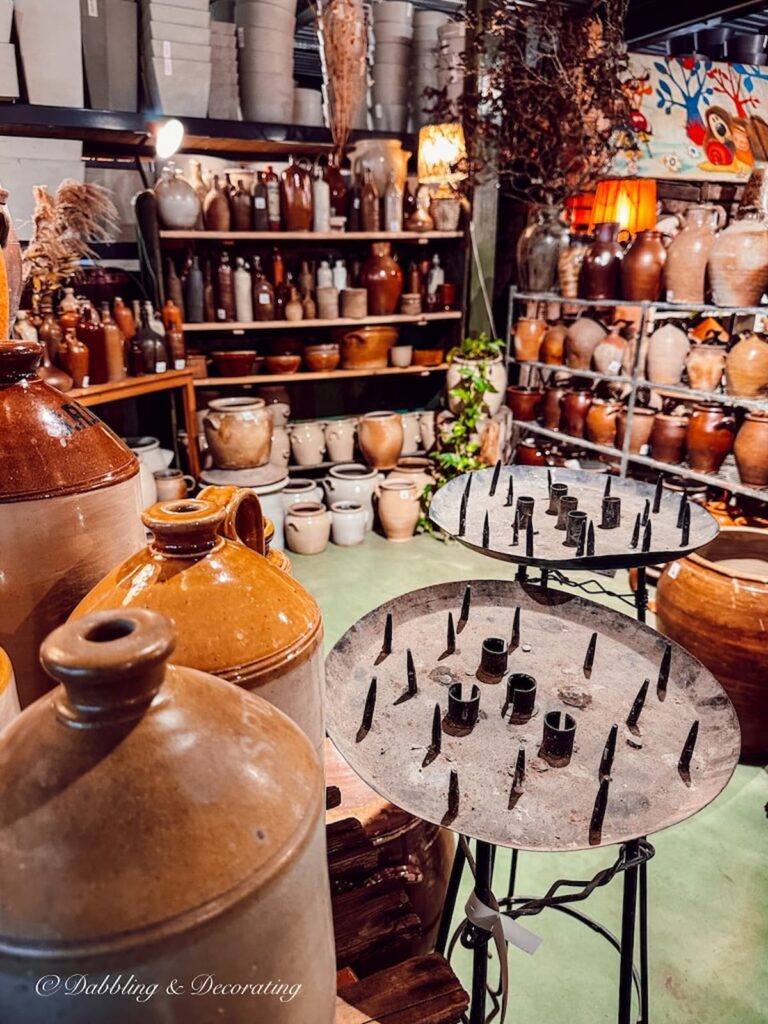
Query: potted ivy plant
point(483, 357)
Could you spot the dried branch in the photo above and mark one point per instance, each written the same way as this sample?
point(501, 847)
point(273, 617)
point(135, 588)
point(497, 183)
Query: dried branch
point(343, 36)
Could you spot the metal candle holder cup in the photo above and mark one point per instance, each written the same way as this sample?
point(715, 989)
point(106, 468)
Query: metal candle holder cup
point(611, 513)
point(568, 503)
point(493, 659)
point(521, 696)
point(575, 526)
point(463, 711)
point(557, 739)
point(524, 511)
point(556, 492)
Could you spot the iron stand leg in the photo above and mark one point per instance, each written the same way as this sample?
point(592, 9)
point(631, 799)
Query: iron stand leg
point(476, 939)
point(628, 911)
point(644, 1001)
point(512, 875)
point(522, 574)
point(641, 594)
point(449, 906)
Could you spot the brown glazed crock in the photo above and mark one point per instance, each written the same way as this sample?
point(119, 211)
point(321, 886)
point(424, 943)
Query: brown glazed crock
point(642, 425)
point(524, 402)
point(70, 502)
point(642, 268)
point(600, 273)
point(158, 824)
point(550, 405)
point(751, 450)
point(574, 407)
point(709, 437)
point(601, 421)
point(668, 438)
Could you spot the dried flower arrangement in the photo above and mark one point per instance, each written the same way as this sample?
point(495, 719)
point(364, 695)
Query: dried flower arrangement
point(343, 36)
point(546, 113)
point(65, 227)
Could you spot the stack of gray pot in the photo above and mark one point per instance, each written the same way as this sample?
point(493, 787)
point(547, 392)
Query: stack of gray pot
point(225, 91)
point(176, 38)
point(393, 36)
point(265, 31)
point(426, 58)
point(450, 75)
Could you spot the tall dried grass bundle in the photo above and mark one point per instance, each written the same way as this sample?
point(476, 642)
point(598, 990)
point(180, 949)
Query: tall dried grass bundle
point(343, 38)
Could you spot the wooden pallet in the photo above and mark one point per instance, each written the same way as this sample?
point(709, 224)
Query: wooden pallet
point(423, 990)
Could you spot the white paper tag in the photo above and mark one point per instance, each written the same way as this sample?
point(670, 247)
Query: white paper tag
point(645, 449)
point(167, 59)
point(674, 570)
point(614, 367)
point(241, 37)
point(93, 8)
point(263, 299)
point(260, 202)
point(179, 364)
point(161, 367)
point(221, 314)
point(86, 382)
point(405, 495)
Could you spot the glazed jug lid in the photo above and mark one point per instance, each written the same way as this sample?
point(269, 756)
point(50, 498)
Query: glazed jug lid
point(52, 445)
point(138, 798)
point(237, 615)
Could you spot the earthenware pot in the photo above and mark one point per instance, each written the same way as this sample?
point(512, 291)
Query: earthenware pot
point(411, 433)
point(307, 442)
point(553, 345)
point(340, 439)
point(581, 340)
point(611, 353)
point(642, 425)
point(206, 763)
point(668, 348)
point(382, 277)
point(704, 365)
point(574, 407)
point(524, 402)
point(238, 432)
point(348, 523)
point(172, 484)
point(528, 337)
point(642, 268)
point(551, 405)
point(668, 438)
point(399, 508)
point(751, 450)
point(600, 274)
point(367, 348)
point(715, 603)
point(268, 634)
point(70, 502)
point(528, 453)
point(300, 489)
point(601, 422)
point(685, 270)
point(710, 437)
point(746, 367)
point(738, 263)
point(280, 453)
point(307, 527)
point(322, 357)
point(380, 436)
point(353, 482)
point(416, 469)
point(494, 372)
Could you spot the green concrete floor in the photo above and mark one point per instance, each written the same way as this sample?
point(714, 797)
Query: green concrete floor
point(708, 884)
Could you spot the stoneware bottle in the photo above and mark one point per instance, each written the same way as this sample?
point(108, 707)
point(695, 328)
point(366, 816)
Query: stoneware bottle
point(296, 197)
point(600, 274)
point(216, 212)
point(177, 201)
point(321, 202)
point(67, 514)
point(380, 436)
point(223, 872)
point(642, 268)
point(241, 209)
point(382, 276)
point(237, 616)
point(243, 292)
point(685, 270)
point(114, 346)
point(710, 437)
point(75, 359)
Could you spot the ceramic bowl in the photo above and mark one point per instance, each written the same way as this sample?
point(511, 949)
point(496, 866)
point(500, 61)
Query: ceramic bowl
point(236, 363)
point(319, 358)
point(428, 356)
point(282, 364)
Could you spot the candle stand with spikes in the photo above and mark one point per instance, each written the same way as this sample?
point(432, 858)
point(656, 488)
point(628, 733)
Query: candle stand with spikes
point(521, 716)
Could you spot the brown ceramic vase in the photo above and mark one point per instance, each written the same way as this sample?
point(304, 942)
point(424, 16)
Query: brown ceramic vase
point(710, 437)
point(751, 450)
point(380, 436)
point(574, 407)
point(524, 402)
point(642, 425)
point(581, 339)
point(600, 273)
point(601, 422)
point(382, 276)
point(704, 365)
point(528, 337)
point(668, 438)
point(746, 367)
point(551, 405)
point(552, 351)
point(642, 268)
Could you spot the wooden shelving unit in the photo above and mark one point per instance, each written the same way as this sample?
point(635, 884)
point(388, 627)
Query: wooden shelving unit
point(310, 376)
point(423, 237)
point(291, 325)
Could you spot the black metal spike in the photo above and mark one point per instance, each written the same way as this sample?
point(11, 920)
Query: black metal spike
point(589, 659)
point(658, 493)
point(520, 765)
point(515, 533)
point(684, 763)
point(451, 639)
point(515, 638)
point(664, 667)
point(549, 481)
point(646, 512)
point(465, 604)
point(517, 779)
point(495, 478)
point(529, 539)
point(486, 531)
point(647, 532)
point(463, 515)
point(582, 542)
point(468, 486)
point(453, 793)
point(510, 492)
point(635, 533)
point(437, 730)
point(637, 707)
point(368, 710)
point(598, 811)
point(607, 489)
point(609, 752)
point(386, 647)
point(411, 670)
point(591, 538)
point(686, 526)
point(681, 508)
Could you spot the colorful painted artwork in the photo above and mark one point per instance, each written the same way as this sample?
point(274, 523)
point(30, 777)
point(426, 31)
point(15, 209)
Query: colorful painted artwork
point(695, 119)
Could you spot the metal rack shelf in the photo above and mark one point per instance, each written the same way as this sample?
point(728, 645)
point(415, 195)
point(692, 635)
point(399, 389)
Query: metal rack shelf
point(276, 237)
point(317, 375)
point(672, 307)
point(237, 327)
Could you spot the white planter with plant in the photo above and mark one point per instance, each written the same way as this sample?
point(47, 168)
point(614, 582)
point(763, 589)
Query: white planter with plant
point(480, 358)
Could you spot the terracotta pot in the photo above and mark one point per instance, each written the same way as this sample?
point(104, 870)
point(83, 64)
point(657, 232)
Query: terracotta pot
point(552, 349)
point(528, 337)
point(307, 527)
point(226, 845)
point(581, 340)
point(307, 442)
point(416, 469)
point(524, 402)
point(668, 438)
point(367, 348)
point(268, 634)
point(642, 425)
point(399, 508)
point(322, 358)
point(287, 362)
point(382, 277)
point(238, 432)
point(751, 450)
point(685, 270)
point(340, 439)
point(528, 453)
point(746, 367)
point(704, 365)
point(611, 354)
point(601, 422)
point(715, 603)
point(710, 437)
point(574, 407)
point(642, 268)
point(70, 504)
point(668, 348)
point(738, 263)
point(495, 373)
point(353, 482)
point(413, 850)
point(380, 436)
point(600, 274)
point(550, 405)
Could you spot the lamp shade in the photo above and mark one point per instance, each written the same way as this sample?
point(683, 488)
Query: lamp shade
point(628, 202)
point(442, 154)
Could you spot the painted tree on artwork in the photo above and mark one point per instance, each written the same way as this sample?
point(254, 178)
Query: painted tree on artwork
point(683, 83)
point(730, 82)
point(751, 73)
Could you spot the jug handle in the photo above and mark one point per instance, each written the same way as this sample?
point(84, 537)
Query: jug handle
point(354, 338)
point(722, 217)
point(243, 520)
point(627, 240)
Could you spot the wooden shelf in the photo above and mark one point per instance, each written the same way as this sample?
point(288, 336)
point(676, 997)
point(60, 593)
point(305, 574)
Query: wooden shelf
point(312, 236)
point(292, 325)
point(309, 376)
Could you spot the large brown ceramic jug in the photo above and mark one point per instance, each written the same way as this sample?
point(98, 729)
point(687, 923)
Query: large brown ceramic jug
point(685, 270)
point(574, 407)
point(296, 197)
point(751, 450)
point(710, 437)
point(380, 436)
point(668, 348)
point(70, 502)
point(237, 616)
point(704, 365)
point(668, 438)
point(159, 825)
point(382, 276)
point(367, 348)
point(746, 367)
point(600, 274)
point(715, 603)
point(216, 212)
point(642, 268)
point(601, 421)
point(738, 262)
point(581, 339)
point(640, 434)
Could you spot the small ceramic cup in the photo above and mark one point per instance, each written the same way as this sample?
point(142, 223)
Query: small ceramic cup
point(348, 523)
point(307, 527)
point(401, 355)
point(172, 484)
